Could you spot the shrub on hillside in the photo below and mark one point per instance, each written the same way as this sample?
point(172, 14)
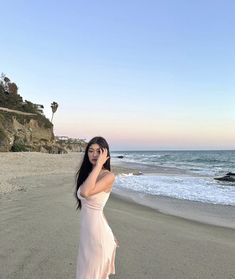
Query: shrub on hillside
point(18, 147)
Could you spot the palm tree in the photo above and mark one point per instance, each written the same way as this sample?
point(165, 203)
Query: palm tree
point(5, 81)
point(54, 107)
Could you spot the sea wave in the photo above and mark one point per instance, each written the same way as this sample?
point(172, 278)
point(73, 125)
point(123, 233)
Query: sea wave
point(181, 187)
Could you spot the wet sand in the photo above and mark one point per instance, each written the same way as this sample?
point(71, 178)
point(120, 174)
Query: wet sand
point(40, 228)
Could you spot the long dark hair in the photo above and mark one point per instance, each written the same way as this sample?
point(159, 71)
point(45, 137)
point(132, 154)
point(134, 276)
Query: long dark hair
point(86, 165)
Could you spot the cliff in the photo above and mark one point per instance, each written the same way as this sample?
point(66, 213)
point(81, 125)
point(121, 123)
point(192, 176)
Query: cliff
point(71, 144)
point(23, 126)
point(21, 131)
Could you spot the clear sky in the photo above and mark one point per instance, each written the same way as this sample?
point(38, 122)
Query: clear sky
point(146, 75)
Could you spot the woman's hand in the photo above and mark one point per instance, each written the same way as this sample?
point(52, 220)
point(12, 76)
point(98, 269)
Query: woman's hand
point(103, 156)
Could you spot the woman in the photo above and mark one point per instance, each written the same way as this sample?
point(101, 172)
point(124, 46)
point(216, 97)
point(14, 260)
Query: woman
point(97, 244)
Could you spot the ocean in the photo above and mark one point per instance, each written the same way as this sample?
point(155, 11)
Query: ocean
point(185, 175)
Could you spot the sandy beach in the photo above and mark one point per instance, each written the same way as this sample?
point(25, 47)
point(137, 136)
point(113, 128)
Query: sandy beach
point(40, 227)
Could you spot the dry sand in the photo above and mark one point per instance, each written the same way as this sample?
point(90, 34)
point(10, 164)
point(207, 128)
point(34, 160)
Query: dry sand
point(40, 228)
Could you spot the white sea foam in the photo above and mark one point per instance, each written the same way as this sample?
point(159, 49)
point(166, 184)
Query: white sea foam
point(127, 174)
point(201, 189)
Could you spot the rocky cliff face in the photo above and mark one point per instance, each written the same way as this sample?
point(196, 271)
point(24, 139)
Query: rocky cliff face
point(72, 145)
point(27, 132)
point(20, 131)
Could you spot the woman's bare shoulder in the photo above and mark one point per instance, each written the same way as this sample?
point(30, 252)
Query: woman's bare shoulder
point(111, 177)
point(108, 177)
point(107, 172)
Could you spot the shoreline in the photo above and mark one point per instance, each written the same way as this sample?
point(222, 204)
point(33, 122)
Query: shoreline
point(211, 214)
point(34, 164)
point(206, 213)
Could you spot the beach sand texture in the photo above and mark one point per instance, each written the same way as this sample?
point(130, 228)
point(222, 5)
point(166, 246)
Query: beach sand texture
point(40, 228)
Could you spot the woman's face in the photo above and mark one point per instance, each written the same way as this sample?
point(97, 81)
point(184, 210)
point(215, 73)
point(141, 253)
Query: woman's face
point(93, 153)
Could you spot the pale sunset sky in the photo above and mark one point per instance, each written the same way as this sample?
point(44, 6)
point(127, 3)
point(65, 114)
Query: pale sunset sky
point(146, 75)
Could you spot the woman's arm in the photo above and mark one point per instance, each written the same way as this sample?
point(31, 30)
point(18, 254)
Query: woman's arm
point(90, 182)
point(91, 186)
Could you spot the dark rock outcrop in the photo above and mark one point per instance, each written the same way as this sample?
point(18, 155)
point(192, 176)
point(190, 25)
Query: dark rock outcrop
point(230, 177)
point(137, 173)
